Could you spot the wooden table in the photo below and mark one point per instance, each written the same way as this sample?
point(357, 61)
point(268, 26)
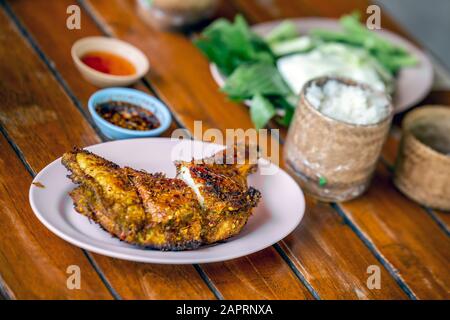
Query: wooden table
point(43, 113)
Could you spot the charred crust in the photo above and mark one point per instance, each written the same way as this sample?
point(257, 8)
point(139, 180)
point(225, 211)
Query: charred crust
point(189, 245)
point(222, 182)
point(225, 186)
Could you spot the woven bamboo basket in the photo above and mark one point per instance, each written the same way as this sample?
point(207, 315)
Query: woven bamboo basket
point(333, 160)
point(422, 170)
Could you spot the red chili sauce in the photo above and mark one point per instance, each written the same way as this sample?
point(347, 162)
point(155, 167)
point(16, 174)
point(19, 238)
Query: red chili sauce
point(108, 63)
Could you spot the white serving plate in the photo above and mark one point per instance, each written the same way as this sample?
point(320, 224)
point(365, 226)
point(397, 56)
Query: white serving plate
point(280, 211)
point(412, 83)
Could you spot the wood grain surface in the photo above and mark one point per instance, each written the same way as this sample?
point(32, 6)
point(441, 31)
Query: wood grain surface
point(400, 232)
point(34, 102)
point(33, 261)
point(143, 281)
point(43, 114)
point(188, 103)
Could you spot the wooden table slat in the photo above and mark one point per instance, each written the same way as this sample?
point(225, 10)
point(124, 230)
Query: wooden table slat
point(131, 286)
point(331, 249)
point(398, 231)
point(193, 99)
point(32, 101)
point(33, 261)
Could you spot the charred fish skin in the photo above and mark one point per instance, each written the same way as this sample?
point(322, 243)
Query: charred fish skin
point(112, 200)
point(222, 189)
point(83, 205)
point(156, 212)
point(171, 207)
point(107, 196)
point(226, 200)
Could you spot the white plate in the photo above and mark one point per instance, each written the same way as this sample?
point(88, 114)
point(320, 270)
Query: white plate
point(279, 212)
point(412, 83)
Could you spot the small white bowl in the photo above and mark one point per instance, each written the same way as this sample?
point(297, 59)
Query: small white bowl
point(115, 46)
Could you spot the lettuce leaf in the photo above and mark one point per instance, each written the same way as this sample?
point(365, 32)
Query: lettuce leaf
point(229, 45)
point(261, 111)
point(255, 78)
point(391, 56)
point(286, 30)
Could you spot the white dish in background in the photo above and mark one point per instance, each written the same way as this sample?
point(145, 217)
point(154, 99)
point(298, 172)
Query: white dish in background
point(115, 46)
point(412, 83)
point(280, 210)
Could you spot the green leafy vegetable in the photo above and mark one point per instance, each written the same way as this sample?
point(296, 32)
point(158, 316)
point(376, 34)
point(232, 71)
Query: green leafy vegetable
point(392, 57)
point(250, 62)
point(286, 30)
point(256, 78)
point(394, 63)
point(261, 111)
point(229, 45)
point(370, 40)
point(300, 44)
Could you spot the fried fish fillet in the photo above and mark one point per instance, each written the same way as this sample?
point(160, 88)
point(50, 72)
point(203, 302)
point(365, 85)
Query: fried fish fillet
point(206, 203)
point(222, 190)
point(172, 210)
point(137, 207)
point(106, 194)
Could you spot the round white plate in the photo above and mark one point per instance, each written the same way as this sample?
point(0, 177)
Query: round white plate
point(412, 85)
point(278, 213)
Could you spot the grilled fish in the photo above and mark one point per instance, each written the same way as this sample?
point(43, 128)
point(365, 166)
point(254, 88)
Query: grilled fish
point(222, 190)
point(210, 203)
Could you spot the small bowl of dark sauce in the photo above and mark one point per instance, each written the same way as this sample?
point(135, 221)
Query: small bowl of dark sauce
point(123, 113)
